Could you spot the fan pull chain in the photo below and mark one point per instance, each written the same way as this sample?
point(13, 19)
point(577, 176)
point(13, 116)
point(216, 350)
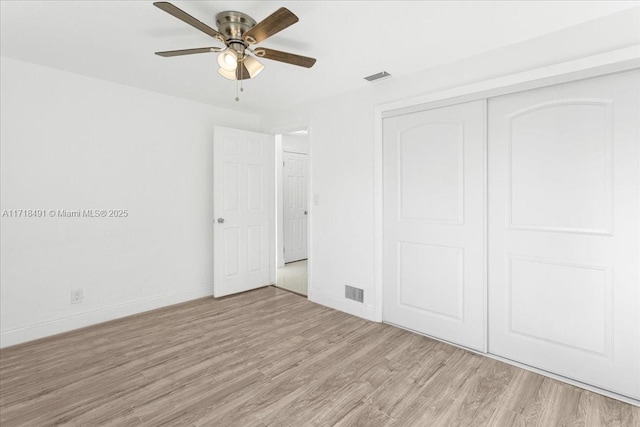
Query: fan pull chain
point(239, 83)
point(242, 77)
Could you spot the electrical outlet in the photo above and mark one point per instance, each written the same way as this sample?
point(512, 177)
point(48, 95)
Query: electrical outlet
point(76, 296)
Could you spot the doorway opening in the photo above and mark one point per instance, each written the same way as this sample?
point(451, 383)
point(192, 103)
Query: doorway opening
point(292, 210)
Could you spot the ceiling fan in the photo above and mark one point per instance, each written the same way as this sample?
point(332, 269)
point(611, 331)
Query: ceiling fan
point(238, 31)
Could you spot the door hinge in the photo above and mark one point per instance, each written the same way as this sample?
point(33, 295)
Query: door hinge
point(283, 163)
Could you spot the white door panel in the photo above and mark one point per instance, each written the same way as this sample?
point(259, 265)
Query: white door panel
point(243, 185)
point(434, 273)
point(295, 206)
point(563, 230)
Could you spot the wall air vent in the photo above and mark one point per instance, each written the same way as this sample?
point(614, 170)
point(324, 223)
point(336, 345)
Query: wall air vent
point(355, 294)
point(377, 76)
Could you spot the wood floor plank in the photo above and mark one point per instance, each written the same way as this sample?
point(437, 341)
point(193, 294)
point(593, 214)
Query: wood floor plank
point(412, 369)
point(602, 410)
point(436, 398)
point(524, 387)
point(479, 401)
point(268, 358)
point(565, 409)
point(542, 406)
point(365, 415)
point(504, 417)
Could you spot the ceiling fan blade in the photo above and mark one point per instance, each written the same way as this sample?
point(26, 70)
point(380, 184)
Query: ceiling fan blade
point(169, 53)
point(276, 22)
point(289, 58)
point(185, 17)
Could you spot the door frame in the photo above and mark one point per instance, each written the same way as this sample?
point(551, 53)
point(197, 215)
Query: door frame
point(612, 62)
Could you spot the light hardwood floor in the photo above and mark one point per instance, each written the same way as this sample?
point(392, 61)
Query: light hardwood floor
point(271, 358)
point(293, 277)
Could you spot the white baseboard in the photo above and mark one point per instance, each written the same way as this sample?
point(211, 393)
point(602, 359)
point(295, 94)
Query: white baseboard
point(69, 323)
point(352, 307)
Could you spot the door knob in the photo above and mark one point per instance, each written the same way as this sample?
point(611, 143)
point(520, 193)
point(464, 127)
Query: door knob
point(220, 220)
point(305, 212)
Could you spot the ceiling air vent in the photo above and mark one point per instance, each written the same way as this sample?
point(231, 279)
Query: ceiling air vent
point(377, 76)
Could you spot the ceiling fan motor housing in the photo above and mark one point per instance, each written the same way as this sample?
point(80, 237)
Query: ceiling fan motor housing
point(234, 24)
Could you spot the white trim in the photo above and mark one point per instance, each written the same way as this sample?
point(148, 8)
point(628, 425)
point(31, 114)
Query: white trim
point(279, 208)
point(378, 211)
point(606, 63)
point(485, 227)
point(272, 213)
point(81, 320)
point(310, 208)
point(583, 68)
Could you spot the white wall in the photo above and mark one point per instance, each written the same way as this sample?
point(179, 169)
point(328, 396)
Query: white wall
point(295, 143)
point(72, 142)
point(342, 143)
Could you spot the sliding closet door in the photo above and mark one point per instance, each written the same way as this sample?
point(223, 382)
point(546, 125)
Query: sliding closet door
point(434, 182)
point(564, 230)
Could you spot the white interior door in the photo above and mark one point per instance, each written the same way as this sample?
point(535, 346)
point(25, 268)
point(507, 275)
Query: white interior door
point(564, 230)
point(295, 206)
point(243, 207)
point(434, 219)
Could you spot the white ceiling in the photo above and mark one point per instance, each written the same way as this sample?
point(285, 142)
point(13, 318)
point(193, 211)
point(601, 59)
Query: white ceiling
point(115, 41)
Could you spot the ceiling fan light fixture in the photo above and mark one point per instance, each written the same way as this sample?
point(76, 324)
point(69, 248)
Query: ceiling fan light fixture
point(231, 75)
point(253, 66)
point(228, 60)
